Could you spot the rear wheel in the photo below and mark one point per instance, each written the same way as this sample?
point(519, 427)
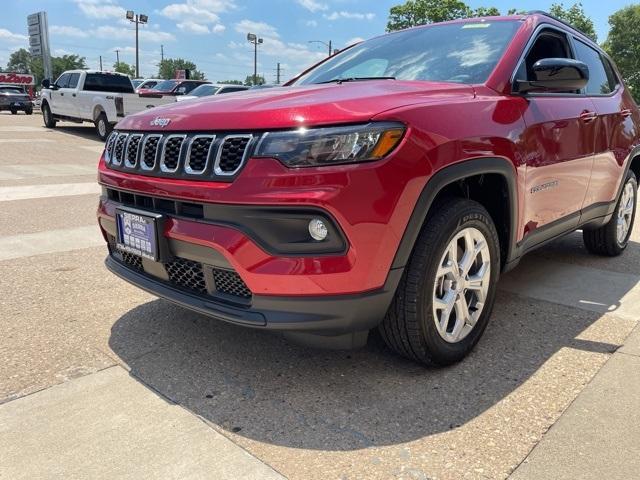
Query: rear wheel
point(446, 295)
point(47, 116)
point(29, 111)
point(103, 127)
point(612, 239)
point(14, 112)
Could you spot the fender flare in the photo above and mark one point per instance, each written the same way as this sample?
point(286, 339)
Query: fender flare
point(97, 110)
point(447, 176)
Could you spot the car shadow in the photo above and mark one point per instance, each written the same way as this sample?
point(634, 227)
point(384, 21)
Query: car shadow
point(256, 384)
point(88, 132)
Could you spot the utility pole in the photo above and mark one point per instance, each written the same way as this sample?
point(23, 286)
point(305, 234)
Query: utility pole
point(161, 53)
point(137, 19)
point(330, 45)
point(278, 71)
point(253, 38)
point(117, 56)
point(100, 62)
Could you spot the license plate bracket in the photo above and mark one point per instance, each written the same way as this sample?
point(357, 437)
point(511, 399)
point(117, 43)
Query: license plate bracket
point(138, 233)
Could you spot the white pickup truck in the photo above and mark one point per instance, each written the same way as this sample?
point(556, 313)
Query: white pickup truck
point(103, 98)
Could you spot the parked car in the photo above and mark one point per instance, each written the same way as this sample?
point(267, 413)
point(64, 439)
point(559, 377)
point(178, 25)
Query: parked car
point(141, 83)
point(172, 87)
point(92, 96)
point(209, 89)
point(387, 187)
point(15, 100)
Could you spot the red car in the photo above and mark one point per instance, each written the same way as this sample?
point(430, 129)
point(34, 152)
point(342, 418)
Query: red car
point(386, 187)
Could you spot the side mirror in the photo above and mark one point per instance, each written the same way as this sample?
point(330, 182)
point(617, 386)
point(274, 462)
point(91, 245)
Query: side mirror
point(181, 91)
point(555, 75)
point(46, 83)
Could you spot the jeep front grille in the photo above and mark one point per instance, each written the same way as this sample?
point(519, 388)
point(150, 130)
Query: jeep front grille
point(193, 156)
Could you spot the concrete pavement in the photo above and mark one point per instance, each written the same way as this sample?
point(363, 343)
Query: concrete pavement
point(68, 325)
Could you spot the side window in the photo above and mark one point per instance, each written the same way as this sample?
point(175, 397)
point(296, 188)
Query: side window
point(188, 86)
point(231, 89)
point(599, 81)
point(63, 80)
point(611, 74)
point(73, 80)
point(549, 44)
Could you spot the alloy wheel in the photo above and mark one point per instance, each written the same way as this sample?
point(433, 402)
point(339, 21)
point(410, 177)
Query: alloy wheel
point(625, 212)
point(461, 285)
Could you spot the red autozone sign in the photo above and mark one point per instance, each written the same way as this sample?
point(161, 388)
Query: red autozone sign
point(18, 78)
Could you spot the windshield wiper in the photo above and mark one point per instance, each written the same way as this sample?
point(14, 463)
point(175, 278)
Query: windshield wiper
point(355, 79)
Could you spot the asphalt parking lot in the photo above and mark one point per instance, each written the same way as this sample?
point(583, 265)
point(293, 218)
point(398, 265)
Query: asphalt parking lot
point(101, 380)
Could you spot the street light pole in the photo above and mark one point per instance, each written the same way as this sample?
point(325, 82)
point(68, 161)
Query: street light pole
point(253, 38)
point(137, 19)
point(329, 45)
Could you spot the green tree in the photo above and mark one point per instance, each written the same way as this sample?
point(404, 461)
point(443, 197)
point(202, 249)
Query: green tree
point(231, 82)
point(420, 12)
point(122, 67)
point(169, 66)
point(259, 80)
point(67, 62)
point(575, 17)
point(623, 45)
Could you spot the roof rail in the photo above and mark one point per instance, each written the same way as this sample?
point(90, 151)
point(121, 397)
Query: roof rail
point(547, 14)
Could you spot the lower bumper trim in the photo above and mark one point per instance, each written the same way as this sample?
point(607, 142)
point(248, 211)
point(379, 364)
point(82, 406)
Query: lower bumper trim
point(330, 315)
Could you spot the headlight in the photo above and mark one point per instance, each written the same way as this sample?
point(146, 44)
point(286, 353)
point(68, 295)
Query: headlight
point(315, 147)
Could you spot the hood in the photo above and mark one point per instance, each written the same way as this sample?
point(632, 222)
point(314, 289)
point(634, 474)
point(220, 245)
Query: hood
point(290, 107)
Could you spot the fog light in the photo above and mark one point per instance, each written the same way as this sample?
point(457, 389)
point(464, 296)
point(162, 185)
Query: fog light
point(318, 229)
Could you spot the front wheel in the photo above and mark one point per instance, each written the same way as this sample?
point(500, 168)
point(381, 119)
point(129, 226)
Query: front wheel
point(28, 111)
point(103, 127)
point(14, 112)
point(612, 239)
point(47, 116)
point(446, 295)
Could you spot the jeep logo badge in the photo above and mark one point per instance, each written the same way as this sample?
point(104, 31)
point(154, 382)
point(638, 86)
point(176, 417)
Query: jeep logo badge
point(160, 122)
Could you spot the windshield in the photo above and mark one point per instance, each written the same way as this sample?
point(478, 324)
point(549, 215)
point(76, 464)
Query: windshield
point(136, 83)
point(456, 52)
point(166, 86)
point(204, 90)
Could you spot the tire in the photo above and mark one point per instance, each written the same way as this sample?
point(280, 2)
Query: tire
point(410, 326)
point(103, 127)
point(609, 240)
point(47, 116)
point(29, 111)
point(14, 112)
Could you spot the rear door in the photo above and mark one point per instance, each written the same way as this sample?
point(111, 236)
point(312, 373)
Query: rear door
point(558, 142)
point(616, 129)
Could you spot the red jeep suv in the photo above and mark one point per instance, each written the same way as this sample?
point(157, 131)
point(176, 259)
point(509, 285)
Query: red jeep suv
point(386, 187)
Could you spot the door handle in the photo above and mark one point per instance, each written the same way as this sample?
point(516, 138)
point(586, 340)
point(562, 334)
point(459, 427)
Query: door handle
point(588, 116)
point(626, 112)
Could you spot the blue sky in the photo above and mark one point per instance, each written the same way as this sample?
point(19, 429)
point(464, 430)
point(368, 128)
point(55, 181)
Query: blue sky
point(212, 32)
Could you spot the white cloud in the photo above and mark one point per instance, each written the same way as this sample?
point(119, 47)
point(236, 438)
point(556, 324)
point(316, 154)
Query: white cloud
point(121, 33)
point(260, 28)
point(349, 16)
point(67, 31)
point(100, 9)
point(198, 16)
point(353, 40)
point(313, 5)
point(6, 35)
point(311, 23)
point(193, 27)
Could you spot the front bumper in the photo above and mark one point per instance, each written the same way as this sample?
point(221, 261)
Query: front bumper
point(329, 315)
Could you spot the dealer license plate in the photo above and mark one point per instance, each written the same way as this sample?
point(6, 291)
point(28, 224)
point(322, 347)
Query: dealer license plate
point(137, 234)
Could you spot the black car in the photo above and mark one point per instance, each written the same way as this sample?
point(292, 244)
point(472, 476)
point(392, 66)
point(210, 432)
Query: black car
point(14, 99)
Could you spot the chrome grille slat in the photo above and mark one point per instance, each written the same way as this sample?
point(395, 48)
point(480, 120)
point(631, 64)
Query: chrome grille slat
point(171, 153)
point(132, 149)
point(232, 153)
point(109, 144)
point(198, 154)
point(149, 151)
point(119, 149)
